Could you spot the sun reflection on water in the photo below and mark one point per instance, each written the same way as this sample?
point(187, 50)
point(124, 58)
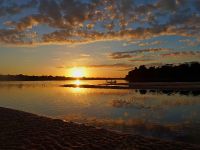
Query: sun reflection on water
point(77, 89)
point(77, 83)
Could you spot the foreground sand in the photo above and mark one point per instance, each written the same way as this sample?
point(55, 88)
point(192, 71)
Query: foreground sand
point(20, 130)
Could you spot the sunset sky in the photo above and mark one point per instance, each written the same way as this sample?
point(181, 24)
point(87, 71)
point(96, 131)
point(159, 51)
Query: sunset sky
point(104, 38)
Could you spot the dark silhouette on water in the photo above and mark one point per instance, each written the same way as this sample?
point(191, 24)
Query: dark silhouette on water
point(169, 92)
point(186, 72)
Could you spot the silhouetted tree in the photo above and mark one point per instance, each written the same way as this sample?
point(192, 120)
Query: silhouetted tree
point(186, 72)
point(22, 77)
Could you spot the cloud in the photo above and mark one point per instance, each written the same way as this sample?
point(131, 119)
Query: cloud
point(61, 67)
point(85, 55)
point(13, 8)
point(142, 44)
point(120, 55)
point(170, 5)
point(115, 65)
point(76, 21)
point(155, 64)
point(190, 42)
point(141, 60)
point(182, 54)
point(131, 54)
point(197, 4)
point(10, 36)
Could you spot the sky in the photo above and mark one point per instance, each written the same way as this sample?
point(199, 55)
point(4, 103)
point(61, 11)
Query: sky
point(106, 38)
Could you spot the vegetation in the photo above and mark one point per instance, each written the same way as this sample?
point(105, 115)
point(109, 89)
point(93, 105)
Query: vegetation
point(22, 77)
point(186, 72)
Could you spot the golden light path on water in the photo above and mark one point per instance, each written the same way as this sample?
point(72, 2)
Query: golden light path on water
point(77, 89)
point(77, 82)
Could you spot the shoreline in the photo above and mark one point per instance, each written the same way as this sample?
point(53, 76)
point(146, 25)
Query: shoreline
point(21, 130)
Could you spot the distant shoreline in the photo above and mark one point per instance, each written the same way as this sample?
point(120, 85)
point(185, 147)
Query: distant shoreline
point(21, 130)
point(50, 78)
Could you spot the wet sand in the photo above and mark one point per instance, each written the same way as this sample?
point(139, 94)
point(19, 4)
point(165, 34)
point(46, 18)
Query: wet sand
point(20, 130)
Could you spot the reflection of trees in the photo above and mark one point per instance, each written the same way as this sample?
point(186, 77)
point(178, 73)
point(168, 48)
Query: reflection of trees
point(170, 92)
point(22, 77)
point(143, 91)
point(23, 85)
point(132, 103)
point(161, 105)
point(195, 93)
point(187, 72)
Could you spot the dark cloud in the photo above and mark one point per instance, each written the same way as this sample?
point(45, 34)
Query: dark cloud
point(131, 54)
point(60, 67)
point(14, 8)
point(182, 54)
point(154, 64)
point(11, 36)
point(170, 5)
point(76, 21)
point(141, 60)
point(197, 4)
point(117, 65)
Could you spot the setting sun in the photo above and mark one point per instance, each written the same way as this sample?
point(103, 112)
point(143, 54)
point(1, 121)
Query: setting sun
point(78, 72)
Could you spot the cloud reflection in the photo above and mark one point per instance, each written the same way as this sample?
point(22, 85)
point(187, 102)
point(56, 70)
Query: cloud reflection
point(175, 131)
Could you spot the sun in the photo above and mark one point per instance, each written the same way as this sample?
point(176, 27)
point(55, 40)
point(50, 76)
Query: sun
point(77, 72)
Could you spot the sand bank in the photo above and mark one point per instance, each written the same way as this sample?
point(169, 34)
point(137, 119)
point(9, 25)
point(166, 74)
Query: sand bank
point(21, 130)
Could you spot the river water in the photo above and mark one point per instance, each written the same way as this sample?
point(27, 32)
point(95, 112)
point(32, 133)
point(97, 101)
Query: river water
point(164, 114)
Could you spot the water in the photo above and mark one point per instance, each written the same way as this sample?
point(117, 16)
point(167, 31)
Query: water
point(164, 114)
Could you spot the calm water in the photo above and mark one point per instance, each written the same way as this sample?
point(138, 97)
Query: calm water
point(162, 114)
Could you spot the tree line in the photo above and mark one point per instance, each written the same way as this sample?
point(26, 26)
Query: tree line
point(22, 77)
point(185, 72)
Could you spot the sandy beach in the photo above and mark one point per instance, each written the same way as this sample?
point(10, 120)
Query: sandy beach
point(21, 130)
